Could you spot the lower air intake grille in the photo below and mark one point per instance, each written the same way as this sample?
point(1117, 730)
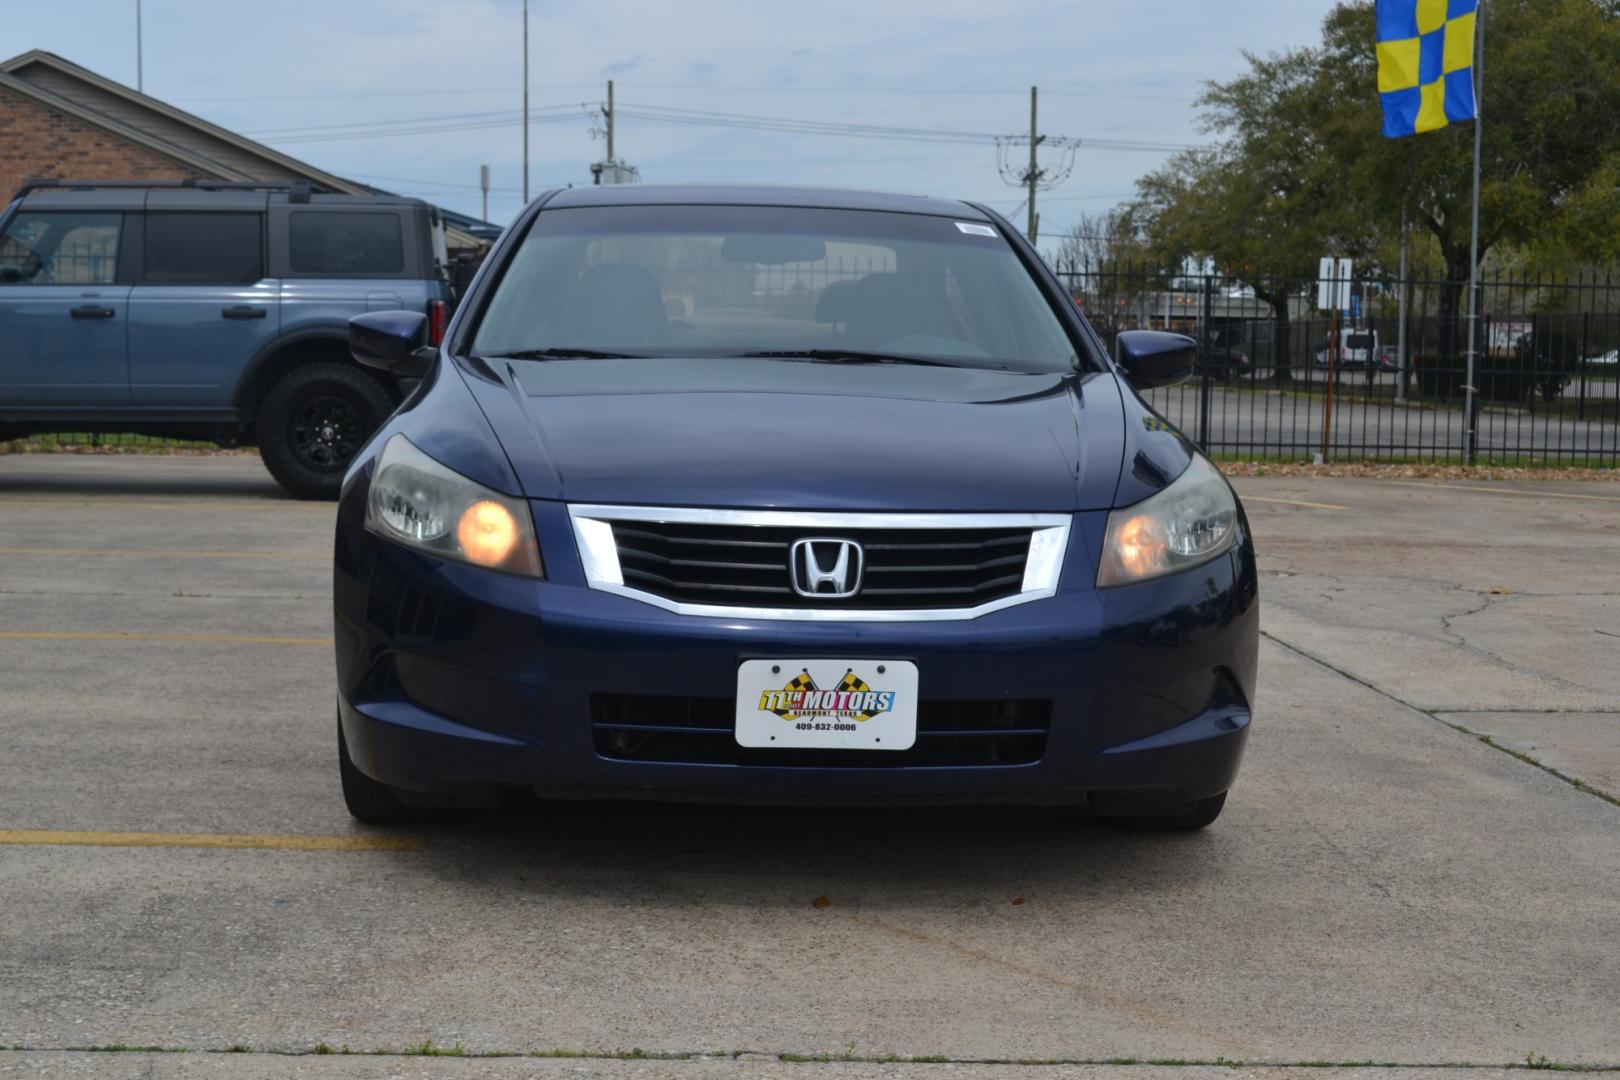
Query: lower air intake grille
point(691, 730)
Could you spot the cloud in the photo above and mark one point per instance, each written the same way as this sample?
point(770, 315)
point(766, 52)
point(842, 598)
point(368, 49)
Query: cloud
point(620, 67)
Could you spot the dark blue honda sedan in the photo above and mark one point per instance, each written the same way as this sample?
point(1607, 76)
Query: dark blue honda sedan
point(779, 495)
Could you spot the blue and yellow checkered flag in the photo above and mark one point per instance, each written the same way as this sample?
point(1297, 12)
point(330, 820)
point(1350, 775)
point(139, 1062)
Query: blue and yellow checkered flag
point(1425, 64)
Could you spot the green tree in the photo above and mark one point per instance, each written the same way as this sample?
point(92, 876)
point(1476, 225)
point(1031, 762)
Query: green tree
point(1300, 167)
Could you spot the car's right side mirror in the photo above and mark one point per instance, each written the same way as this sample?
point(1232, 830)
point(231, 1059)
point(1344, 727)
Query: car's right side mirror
point(393, 341)
point(1155, 358)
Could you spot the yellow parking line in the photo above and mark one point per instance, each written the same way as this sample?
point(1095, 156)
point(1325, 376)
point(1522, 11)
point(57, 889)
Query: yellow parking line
point(114, 635)
point(1493, 490)
point(1292, 502)
point(60, 838)
point(158, 553)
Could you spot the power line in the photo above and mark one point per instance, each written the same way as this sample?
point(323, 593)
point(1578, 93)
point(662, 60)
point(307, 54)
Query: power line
point(452, 122)
point(898, 91)
point(506, 113)
point(344, 95)
point(432, 183)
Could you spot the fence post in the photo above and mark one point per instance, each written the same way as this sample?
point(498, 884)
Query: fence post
point(1204, 382)
point(1586, 344)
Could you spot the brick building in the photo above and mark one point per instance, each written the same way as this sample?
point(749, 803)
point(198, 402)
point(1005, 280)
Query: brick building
point(62, 121)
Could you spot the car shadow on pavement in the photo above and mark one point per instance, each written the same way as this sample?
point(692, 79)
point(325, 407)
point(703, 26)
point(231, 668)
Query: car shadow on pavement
point(169, 480)
point(787, 857)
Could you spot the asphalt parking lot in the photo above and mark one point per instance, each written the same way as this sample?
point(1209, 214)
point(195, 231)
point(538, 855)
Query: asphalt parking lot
point(1420, 864)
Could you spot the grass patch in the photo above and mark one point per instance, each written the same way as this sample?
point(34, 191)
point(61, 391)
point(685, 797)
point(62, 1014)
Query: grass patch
point(428, 1048)
point(76, 442)
point(1522, 462)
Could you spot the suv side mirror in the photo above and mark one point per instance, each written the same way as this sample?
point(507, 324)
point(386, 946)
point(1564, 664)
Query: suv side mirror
point(392, 341)
point(1155, 358)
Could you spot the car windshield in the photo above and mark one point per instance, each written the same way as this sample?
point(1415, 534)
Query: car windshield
point(825, 285)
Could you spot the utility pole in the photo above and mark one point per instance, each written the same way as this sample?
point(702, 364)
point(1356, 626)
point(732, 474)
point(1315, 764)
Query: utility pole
point(610, 124)
point(525, 110)
point(483, 183)
point(140, 75)
point(1034, 172)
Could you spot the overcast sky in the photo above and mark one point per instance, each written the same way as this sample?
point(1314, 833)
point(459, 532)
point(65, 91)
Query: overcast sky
point(290, 72)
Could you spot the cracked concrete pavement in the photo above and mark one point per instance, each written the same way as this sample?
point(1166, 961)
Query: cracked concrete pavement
point(1385, 885)
point(1495, 610)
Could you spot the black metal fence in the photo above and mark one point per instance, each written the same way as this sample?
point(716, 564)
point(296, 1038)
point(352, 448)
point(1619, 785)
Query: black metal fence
point(1274, 382)
point(1270, 383)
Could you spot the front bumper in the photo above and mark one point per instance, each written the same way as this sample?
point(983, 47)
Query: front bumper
point(452, 678)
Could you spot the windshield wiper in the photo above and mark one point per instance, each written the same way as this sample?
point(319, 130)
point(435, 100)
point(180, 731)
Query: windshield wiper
point(856, 356)
point(561, 353)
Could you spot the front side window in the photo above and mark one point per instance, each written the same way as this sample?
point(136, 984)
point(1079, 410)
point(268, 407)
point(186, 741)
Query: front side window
point(60, 249)
point(347, 243)
point(731, 281)
point(203, 249)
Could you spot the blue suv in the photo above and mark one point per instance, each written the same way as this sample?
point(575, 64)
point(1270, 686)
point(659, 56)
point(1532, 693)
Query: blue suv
point(209, 311)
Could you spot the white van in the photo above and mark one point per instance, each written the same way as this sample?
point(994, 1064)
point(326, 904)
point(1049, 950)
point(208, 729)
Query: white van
point(1357, 348)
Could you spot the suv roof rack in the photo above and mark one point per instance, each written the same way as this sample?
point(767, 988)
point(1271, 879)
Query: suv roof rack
point(300, 189)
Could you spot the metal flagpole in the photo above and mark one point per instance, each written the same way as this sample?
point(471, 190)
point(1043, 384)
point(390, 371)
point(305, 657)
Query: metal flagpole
point(1471, 402)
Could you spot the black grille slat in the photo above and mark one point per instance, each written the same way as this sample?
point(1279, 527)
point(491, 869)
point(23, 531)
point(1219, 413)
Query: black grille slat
point(906, 568)
point(691, 730)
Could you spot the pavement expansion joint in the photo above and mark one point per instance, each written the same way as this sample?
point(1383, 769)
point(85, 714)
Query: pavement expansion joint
point(1532, 1062)
point(1437, 716)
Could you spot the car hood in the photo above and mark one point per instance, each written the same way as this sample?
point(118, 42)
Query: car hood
point(743, 432)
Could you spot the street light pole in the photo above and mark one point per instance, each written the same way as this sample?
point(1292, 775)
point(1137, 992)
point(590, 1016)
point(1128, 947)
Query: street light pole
point(525, 102)
point(140, 78)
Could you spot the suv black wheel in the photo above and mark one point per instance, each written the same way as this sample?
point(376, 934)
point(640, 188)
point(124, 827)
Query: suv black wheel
point(313, 422)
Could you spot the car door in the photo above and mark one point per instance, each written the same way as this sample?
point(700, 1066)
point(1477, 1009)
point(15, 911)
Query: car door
point(64, 309)
point(202, 307)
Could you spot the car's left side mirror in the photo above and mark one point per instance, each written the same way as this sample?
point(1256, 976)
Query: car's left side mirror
point(392, 341)
point(1155, 358)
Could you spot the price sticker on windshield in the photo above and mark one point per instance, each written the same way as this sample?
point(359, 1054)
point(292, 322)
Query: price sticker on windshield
point(975, 230)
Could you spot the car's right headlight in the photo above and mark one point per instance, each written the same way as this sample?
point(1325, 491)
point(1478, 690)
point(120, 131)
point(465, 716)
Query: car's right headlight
point(1188, 523)
point(420, 503)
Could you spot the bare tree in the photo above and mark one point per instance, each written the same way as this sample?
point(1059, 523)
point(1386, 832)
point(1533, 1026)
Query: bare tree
point(1098, 259)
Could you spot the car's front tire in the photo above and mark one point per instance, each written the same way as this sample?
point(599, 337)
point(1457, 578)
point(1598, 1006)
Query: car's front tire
point(312, 423)
point(1169, 817)
point(368, 800)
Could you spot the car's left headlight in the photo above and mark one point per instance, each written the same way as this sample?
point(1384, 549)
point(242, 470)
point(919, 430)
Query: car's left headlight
point(1188, 523)
point(420, 503)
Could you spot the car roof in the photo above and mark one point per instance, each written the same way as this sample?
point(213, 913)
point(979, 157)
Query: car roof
point(760, 195)
point(170, 198)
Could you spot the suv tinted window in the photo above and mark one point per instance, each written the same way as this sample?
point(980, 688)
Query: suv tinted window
point(203, 249)
point(60, 249)
point(349, 243)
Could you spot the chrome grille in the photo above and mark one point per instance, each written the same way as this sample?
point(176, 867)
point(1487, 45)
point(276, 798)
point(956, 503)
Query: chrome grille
point(742, 564)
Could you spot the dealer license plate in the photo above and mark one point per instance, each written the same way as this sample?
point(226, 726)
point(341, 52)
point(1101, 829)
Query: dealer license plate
point(827, 704)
